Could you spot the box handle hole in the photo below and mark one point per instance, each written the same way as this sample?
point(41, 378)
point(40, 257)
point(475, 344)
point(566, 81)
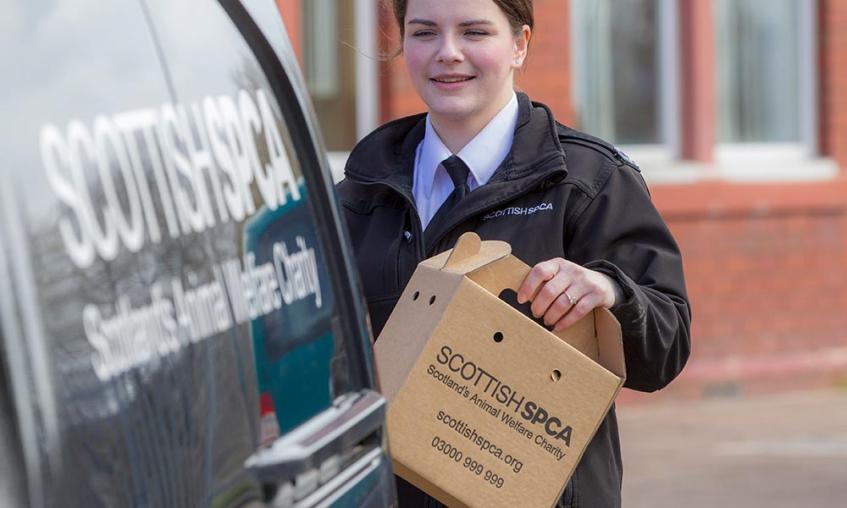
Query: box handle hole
point(432, 299)
point(416, 295)
point(498, 337)
point(556, 375)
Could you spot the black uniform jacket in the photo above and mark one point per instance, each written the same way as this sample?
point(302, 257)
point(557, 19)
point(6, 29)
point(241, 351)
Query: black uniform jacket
point(558, 193)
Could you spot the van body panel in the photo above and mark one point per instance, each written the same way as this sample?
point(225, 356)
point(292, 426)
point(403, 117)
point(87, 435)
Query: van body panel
point(170, 251)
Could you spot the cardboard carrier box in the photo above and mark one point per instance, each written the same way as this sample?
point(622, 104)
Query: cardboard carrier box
point(486, 407)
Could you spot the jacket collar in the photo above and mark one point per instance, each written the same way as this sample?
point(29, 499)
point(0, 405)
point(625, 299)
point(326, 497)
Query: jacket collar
point(388, 154)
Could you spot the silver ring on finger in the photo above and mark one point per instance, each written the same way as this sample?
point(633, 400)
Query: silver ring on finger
point(570, 298)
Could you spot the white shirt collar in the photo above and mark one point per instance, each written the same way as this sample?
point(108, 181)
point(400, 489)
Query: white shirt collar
point(483, 154)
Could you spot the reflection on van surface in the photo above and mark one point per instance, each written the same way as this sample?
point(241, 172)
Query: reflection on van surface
point(293, 342)
point(179, 322)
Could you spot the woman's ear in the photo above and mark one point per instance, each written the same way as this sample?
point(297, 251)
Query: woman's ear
point(521, 46)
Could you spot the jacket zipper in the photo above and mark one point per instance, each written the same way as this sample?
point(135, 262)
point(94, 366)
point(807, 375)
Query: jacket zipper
point(529, 188)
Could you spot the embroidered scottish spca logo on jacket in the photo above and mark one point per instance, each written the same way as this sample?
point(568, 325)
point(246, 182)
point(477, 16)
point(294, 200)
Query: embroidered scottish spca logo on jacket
point(518, 210)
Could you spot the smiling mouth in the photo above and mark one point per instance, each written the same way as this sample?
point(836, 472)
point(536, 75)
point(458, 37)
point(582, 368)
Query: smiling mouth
point(453, 80)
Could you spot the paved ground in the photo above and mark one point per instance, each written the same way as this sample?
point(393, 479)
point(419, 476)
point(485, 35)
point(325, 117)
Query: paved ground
point(774, 451)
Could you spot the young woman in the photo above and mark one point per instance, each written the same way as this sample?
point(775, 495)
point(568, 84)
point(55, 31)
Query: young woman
point(486, 159)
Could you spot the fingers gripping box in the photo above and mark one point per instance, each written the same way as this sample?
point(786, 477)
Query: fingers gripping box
point(486, 407)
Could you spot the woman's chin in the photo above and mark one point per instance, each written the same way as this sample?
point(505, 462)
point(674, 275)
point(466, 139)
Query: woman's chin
point(453, 110)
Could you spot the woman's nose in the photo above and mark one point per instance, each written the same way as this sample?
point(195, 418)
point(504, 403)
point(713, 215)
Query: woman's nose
point(450, 50)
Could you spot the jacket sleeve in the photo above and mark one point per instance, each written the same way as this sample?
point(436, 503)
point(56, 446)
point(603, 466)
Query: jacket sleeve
point(621, 234)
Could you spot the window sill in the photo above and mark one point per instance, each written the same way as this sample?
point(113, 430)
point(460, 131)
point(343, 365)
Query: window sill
point(659, 168)
point(680, 172)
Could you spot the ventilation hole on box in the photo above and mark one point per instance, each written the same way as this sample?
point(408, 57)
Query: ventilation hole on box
point(416, 295)
point(556, 375)
point(498, 337)
point(432, 299)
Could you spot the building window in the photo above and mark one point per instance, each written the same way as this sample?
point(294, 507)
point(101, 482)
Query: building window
point(758, 71)
point(765, 82)
point(340, 67)
point(330, 70)
point(625, 70)
point(755, 115)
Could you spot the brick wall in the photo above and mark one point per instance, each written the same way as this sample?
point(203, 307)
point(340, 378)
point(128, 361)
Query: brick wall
point(832, 40)
point(764, 283)
point(765, 275)
point(397, 95)
point(292, 17)
point(766, 267)
point(546, 74)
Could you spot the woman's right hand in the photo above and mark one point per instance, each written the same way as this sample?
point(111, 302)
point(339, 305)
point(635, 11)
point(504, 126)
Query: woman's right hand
point(563, 292)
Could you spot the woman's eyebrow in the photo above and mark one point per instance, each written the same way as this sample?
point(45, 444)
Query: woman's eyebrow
point(419, 21)
point(470, 22)
point(473, 22)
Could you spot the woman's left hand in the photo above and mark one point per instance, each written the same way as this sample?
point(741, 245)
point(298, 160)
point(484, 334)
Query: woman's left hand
point(564, 292)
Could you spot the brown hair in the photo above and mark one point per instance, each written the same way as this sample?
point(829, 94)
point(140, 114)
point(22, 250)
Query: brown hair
point(518, 12)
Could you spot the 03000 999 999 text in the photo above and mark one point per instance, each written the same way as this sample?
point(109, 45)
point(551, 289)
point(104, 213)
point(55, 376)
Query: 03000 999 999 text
point(467, 462)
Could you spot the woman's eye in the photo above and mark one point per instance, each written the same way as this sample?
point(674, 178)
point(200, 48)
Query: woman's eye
point(423, 33)
point(476, 33)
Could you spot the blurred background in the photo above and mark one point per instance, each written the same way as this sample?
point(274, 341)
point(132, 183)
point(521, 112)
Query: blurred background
point(736, 112)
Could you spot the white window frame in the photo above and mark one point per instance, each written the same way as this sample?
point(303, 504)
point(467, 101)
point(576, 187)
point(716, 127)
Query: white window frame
point(322, 67)
point(785, 160)
point(366, 13)
point(662, 154)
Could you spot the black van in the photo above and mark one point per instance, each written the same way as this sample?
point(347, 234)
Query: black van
point(180, 322)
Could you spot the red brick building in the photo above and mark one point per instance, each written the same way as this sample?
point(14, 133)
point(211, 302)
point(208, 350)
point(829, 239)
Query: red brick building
point(736, 110)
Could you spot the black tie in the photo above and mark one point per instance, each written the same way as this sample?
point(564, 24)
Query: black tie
point(458, 171)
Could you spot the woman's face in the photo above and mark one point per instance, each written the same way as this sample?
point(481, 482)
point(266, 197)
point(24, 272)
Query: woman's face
point(461, 55)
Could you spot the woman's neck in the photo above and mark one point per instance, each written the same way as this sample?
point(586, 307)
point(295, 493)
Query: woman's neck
point(455, 135)
point(455, 132)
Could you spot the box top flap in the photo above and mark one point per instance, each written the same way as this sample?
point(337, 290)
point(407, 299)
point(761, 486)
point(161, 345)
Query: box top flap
point(469, 254)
